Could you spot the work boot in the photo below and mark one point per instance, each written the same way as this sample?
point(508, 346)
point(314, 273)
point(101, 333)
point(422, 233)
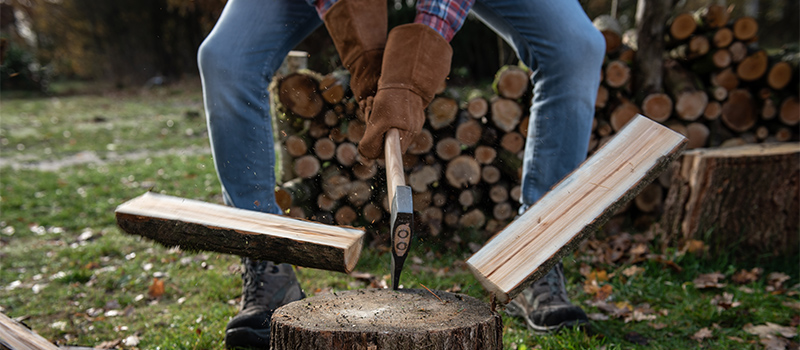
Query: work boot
point(545, 305)
point(416, 62)
point(265, 287)
point(358, 29)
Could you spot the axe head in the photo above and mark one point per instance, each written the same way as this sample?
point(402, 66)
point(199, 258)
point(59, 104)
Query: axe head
point(402, 225)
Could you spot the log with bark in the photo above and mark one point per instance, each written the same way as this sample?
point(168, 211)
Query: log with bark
point(196, 225)
point(743, 199)
point(387, 319)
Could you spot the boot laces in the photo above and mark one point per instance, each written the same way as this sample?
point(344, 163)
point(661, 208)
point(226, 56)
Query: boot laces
point(255, 292)
point(551, 289)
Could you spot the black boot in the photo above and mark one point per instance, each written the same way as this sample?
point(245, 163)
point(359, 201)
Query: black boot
point(545, 305)
point(265, 287)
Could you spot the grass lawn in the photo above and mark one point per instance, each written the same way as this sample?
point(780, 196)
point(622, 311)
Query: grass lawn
point(69, 273)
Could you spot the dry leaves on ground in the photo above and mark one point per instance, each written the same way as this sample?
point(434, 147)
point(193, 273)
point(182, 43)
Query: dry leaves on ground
point(724, 301)
point(703, 334)
point(709, 280)
point(747, 277)
point(772, 336)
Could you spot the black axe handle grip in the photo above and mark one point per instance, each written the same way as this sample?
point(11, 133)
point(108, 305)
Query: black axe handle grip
point(401, 202)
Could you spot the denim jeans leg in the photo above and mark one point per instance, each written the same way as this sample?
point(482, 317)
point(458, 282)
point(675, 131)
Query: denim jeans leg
point(565, 52)
point(237, 61)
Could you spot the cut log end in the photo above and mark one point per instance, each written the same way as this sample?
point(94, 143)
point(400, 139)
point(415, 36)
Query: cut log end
point(386, 319)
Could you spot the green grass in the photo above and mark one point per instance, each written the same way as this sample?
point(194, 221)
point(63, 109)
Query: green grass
point(69, 272)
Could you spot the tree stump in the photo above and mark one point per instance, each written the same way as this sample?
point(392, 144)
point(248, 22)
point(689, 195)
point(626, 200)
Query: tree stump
point(387, 319)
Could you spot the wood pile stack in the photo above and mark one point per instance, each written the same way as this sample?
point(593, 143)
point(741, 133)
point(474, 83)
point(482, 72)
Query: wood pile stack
point(720, 89)
point(464, 168)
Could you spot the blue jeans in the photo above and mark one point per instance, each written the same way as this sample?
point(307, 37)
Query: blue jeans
point(251, 38)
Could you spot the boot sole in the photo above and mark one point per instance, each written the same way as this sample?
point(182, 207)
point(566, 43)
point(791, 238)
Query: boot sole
point(247, 338)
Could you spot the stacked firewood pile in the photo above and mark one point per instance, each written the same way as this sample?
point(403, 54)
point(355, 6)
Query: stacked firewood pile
point(720, 89)
point(463, 168)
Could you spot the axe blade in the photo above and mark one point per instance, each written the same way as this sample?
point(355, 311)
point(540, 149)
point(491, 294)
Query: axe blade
point(402, 229)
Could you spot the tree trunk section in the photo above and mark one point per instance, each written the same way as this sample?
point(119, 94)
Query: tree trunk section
point(657, 106)
point(384, 319)
point(790, 111)
point(299, 93)
point(739, 111)
point(511, 82)
point(611, 30)
point(747, 197)
point(442, 111)
point(649, 62)
point(506, 114)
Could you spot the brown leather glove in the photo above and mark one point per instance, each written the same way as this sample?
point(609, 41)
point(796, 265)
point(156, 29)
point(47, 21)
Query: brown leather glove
point(415, 63)
point(358, 29)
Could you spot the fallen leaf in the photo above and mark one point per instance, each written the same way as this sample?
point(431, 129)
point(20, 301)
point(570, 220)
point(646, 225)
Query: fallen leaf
point(630, 271)
point(596, 316)
point(770, 329)
point(724, 301)
point(702, 334)
point(774, 343)
point(657, 326)
point(604, 292)
point(156, 289)
point(111, 344)
point(775, 281)
point(746, 277)
point(709, 280)
point(693, 246)
point(638, 249)
point(639, 316)
point(131, 341)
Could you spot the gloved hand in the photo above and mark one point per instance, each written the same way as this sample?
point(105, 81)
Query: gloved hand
point(358, 29)
point(415, 63)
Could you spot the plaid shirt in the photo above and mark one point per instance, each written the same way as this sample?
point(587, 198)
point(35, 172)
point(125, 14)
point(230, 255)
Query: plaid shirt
point(444, 16)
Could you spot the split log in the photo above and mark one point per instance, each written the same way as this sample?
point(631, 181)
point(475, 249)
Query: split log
point(738, 51)
point(325, 203)
point(745, 28)
point(195, 225)
point(498, 193)
point(469, 132)
point(739, 111)
point(657, 106)
point(617, 74)
point(332, 87)
point(441, 112)
point(746, 197)
point(365, 172)
point(726, 78)
point(306, 166)
point(299, 93)
point(697, 47)
point(330, 118)
point(790, 111)
point(334, 183)
point(753, 67)
point(469, 197)
point(511, 82)
point(386, 319)
point(463, 171)
point(611, 30)
point(421, 178)
point(18, 337)
point(506, 114)
point(372, 213)
point(529, 247)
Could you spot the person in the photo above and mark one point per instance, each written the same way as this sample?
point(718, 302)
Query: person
point(393, 76)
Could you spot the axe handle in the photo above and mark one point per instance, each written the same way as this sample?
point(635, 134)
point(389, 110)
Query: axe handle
point(394, 162)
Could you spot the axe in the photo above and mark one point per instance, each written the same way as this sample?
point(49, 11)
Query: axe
point(402, 215)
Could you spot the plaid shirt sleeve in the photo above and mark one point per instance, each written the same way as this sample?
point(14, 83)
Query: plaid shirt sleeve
point(444, 16)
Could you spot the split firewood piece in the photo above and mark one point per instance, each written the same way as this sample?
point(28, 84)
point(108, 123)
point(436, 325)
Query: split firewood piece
point(528, 247)
point(299, 93)
point(511, 82)
point(196, 225)
point(332, 87)
point(387, 319)
point(18, 337)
